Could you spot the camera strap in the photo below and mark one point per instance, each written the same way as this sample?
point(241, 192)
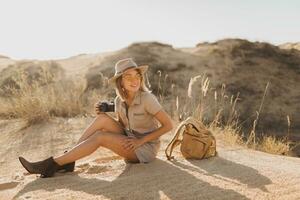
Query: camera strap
point(126, 106)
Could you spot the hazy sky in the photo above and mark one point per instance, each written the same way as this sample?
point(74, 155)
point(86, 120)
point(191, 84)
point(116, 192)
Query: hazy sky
point(51, 29)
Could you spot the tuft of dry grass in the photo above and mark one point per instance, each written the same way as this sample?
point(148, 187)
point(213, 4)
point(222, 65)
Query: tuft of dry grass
point(228, 135)
point(273, 145)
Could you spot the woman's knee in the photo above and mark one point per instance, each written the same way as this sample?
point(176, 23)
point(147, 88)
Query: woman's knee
point(108, 124)
point(105, 119)
point(102, 117)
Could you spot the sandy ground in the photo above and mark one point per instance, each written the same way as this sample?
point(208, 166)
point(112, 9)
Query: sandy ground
point(236, 173)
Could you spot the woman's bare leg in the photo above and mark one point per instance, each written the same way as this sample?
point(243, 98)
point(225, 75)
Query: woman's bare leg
point(102, 122)
point(108, 140)
point(103, 131)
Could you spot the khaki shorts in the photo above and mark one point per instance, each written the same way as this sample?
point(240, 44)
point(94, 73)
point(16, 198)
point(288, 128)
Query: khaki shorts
point(146, 152)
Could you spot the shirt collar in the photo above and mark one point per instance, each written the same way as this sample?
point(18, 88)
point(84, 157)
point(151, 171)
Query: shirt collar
point(137, 98)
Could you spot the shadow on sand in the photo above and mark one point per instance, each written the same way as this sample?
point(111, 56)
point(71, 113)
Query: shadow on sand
point(169, 178)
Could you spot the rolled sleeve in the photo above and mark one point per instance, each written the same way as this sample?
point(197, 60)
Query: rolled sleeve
point(151, 104)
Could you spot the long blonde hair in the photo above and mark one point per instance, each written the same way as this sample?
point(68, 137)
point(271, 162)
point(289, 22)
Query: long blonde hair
point(122, 93)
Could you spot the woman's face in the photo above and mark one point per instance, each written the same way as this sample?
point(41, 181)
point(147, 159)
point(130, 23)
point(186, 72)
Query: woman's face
point(131, 80)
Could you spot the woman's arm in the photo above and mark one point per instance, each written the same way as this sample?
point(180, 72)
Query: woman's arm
point(166, 126)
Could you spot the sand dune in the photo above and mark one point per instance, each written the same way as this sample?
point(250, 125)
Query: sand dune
point(236, 173)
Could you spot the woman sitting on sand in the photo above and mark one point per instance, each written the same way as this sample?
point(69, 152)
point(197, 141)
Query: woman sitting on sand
point(134, 135)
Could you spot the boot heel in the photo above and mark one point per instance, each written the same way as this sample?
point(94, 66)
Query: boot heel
point(70, 167)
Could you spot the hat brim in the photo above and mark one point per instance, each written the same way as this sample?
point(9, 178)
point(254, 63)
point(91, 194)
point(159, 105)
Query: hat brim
point(143, 69)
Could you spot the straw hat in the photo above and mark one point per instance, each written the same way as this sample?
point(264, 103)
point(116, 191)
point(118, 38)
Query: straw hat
point(124, 64)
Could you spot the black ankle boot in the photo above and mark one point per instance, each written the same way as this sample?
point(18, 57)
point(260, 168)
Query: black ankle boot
point(46, 168)
point(69, 167)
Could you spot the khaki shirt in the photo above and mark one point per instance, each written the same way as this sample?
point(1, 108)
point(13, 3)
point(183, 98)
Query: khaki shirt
point(140, 113)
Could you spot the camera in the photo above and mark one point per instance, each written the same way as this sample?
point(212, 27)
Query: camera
point(106, 106)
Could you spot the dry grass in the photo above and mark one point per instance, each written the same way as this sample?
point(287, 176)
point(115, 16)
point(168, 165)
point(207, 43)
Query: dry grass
point(275, 146)
point(231, 136)
point(37, 103)
point(225, 121)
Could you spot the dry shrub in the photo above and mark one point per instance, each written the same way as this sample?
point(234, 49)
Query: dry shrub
point(39, 72)
point(36, 103)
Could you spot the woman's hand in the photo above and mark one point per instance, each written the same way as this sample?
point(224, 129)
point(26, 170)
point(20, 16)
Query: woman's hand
point(132, 143)
point(96, 106)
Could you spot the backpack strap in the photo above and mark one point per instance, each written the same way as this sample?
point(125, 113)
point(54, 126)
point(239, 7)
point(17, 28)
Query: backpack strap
point(175, 141)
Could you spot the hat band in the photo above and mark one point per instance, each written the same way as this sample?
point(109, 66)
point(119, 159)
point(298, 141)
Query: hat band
point(120, 72)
